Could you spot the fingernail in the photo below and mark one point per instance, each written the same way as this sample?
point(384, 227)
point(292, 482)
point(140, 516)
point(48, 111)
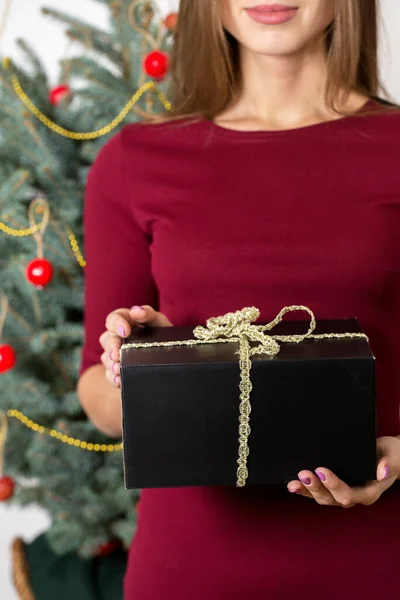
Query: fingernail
point(295, 491)
point(116, 379)
point(115, 368)
point(305, 480)
point(121, 331)
point(321, 475)
point(386, 472)
point(110, 354)
point(137, 308)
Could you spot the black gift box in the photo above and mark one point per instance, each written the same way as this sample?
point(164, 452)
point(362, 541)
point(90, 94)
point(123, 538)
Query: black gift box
point(313, 405)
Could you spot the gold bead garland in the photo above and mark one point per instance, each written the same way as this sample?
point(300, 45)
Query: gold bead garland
point(19, 232)
point(90, 135)
point(58, 435)
point(75, 247)
point(36, 228)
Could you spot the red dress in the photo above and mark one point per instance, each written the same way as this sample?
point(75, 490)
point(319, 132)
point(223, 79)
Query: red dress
point(199, 220)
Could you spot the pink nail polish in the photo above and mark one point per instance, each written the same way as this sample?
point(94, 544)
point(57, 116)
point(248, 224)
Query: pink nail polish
point(305, 480)
point(110, 354)
point(296, 491)
point(386, 472)
point(137, 308)
point(115, 379)
point(321, 475)
point(121, 331)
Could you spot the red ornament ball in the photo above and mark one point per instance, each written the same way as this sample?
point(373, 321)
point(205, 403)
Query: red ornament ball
point(171, 21)
point(39, 272)
point(8, 358)
point(156, 64)
point(109, 548)
point(58, 94)
point(7, 486)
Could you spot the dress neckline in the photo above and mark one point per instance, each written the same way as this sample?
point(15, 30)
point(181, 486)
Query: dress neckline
point(368, 107)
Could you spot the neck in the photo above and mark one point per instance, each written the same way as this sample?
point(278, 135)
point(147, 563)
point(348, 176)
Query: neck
point(283, 91)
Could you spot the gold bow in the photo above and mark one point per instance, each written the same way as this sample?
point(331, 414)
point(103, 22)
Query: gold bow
point(238, 327)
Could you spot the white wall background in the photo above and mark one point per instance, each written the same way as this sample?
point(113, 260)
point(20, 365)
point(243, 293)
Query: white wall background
point(390, 47)
point(26, 21)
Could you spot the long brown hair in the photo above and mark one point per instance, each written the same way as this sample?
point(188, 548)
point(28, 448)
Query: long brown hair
point(205, 68)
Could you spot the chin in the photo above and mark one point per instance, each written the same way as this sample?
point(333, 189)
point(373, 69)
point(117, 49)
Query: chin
point(274, 51)
point(274, 44)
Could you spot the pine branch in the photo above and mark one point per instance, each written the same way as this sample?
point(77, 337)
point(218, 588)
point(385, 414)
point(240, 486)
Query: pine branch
point(89, 69)
point(34, 88)
point(11, 187)
point(102, 44)
point(39, 72)
point(14, 141)
point(75, 24)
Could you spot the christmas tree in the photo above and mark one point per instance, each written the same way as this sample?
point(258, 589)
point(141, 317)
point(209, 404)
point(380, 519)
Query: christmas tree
point(50, 136)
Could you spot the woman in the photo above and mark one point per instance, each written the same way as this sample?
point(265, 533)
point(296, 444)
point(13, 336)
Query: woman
point(284, 190)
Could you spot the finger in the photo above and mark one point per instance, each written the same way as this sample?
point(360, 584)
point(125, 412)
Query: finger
point(383, 470)
point(316, 488)
point(103, 339)
point(341, 492)
point(296, 487)
point(369, 493)
point(348, 497)
point(113, 367)
point(111, 344)
point(389, 464)
point(385, 446)
point(120, 322)
point(105, 359)
point(115, 380)
point(146, 315)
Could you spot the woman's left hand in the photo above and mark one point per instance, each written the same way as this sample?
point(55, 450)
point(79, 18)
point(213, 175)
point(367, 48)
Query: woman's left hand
point(325, 488)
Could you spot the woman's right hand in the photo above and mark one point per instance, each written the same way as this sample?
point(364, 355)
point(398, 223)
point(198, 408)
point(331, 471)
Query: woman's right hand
point(119, 324)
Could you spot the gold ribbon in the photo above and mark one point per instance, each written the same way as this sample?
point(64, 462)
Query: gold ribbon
point(39, 206)
point(237, 327)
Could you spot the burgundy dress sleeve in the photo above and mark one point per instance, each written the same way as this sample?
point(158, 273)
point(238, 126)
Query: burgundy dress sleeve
point(118, 272)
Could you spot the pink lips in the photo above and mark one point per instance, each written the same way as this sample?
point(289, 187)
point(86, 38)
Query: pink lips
point(271, 14)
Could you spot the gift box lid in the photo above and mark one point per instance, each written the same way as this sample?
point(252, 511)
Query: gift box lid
point(308, 349)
